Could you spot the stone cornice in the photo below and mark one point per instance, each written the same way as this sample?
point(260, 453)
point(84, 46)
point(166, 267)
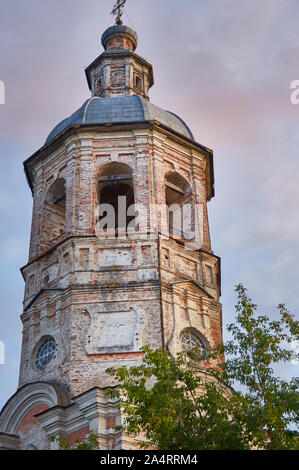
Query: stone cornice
point(115, 127)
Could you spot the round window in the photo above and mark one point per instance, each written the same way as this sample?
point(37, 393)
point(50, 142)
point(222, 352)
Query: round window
point(45, 353)
point(190, 341)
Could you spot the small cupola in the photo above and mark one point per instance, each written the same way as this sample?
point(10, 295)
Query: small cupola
point(119, 37)
point(119, 71)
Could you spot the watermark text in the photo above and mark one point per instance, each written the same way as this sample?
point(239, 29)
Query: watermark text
point(2, 92)
point(2, 353)
point(295, 94)
point(180, 222)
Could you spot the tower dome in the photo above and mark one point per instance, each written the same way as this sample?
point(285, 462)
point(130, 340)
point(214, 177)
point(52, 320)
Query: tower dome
point(119, 37)
point(119, 81)
point(121, 110)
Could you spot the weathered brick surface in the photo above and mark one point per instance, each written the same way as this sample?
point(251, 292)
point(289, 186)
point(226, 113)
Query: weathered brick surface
point(31, 436)
point(108, 284)
point(79, 435)
point(103, 299)
point(120, 43)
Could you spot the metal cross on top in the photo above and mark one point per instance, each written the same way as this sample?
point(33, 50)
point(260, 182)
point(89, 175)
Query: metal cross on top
point(118, 10)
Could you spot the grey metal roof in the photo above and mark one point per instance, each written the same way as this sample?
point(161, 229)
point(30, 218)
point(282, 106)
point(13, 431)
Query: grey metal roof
point(119, 30)
point(124, 109)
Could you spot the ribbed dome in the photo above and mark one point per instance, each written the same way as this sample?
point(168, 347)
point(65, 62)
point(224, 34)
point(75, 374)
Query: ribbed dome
point(125, 109)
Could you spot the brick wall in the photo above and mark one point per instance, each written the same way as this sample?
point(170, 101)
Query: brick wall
point(101, 299)
point(29, 431)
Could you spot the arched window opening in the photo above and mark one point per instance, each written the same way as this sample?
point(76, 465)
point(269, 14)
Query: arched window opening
point(180, 212)
point(138, 82)
point(54, 211)
point(99, 87)
point(116, 199)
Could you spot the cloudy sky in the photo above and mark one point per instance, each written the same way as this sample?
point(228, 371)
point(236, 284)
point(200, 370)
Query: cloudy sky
point(226, 67)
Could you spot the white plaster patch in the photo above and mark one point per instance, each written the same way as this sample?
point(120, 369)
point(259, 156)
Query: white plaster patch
point(115, 331)
point(186, 267)
point(116, 257)
point(50, 274)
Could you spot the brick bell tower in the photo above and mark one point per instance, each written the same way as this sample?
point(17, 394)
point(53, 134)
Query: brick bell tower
point(120, 253)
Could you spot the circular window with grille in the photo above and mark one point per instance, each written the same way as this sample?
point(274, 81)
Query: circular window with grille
point(192, 342)
point(45, 353)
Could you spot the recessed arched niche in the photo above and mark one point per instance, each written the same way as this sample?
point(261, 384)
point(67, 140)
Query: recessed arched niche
point(179, 206)
point(54, 211)
point(116, 199)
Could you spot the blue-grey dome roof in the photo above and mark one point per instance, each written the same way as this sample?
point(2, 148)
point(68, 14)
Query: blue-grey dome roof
point(124, 109)
point(119, 30)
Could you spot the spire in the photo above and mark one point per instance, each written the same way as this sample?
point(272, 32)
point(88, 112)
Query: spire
point(119, 37)
point(118, 11)
point(119, 71)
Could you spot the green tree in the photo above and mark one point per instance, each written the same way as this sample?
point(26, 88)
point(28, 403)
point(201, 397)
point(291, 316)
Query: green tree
point(90, 443)
point(258, 344)
point(177, 404)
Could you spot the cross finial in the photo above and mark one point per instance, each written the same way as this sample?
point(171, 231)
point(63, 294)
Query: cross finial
point(118, 10)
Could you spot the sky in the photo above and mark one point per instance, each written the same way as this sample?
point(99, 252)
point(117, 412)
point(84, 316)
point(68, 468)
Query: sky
point(225, 66)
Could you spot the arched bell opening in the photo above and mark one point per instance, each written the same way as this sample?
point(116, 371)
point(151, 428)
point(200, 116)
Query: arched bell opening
point(180, 209)
point(54, 211)
point(116, 198)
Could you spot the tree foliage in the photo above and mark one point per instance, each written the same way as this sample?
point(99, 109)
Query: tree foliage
point(90, 443)
point(177, 404)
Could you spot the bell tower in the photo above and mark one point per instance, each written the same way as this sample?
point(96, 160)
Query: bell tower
point(120, 253)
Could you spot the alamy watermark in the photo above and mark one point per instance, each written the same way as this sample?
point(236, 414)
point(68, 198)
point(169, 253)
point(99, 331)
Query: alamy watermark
point(2, 353)
point(295, 94)
point(2, 92)
point(180, 222)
